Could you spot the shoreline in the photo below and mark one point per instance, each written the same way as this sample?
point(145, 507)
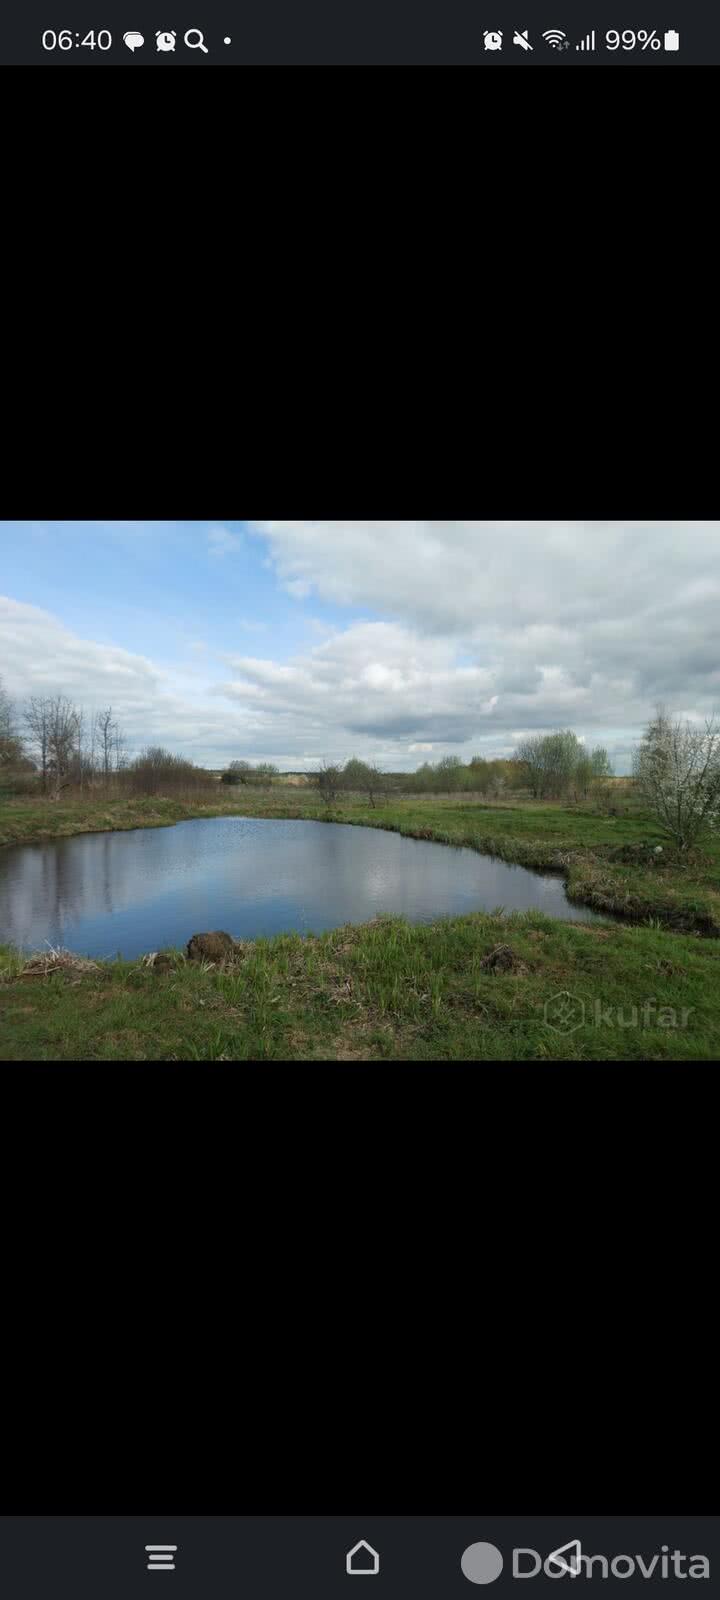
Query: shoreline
point(591, 878)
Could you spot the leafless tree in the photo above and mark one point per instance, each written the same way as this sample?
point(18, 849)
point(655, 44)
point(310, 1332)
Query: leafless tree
point(374, 783)
point(106, 730)
point(64, 727)
point(79, 764)
point(93, 744)
point(120, 751)
point(11, 751)
point(7, 720)
point(37, 722)
point(330, 780)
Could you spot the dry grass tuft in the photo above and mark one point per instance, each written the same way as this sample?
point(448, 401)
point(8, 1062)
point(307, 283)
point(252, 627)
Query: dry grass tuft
point(41, 964)
point(502, 959)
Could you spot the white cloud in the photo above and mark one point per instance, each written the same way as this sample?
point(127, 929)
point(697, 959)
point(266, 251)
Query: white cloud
point(578, 623)
point(40, 656)
point(488, 631)
point(383, 681)
point(468, 576)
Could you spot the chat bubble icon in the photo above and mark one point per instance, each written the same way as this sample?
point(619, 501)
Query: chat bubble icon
point(133, 40)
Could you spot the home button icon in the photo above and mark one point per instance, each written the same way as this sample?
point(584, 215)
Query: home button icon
point(362, 1561)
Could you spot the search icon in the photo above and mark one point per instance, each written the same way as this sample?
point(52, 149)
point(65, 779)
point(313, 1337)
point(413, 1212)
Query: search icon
point(198, 43)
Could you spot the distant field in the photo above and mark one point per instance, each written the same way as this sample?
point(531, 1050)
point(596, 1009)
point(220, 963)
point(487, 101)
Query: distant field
point(298, 779)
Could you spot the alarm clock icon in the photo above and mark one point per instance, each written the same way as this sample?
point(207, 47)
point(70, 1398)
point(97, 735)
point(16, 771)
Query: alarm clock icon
point(166, 41)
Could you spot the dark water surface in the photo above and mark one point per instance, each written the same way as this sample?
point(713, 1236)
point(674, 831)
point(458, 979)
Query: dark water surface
point(107, 893)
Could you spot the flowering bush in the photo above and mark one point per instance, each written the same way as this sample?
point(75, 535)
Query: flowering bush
point(677, 768)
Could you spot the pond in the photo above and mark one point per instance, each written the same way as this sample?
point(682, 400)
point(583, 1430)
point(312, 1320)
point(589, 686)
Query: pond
point(105, 894)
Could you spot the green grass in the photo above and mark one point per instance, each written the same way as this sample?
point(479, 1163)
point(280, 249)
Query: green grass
point(385, 991)
point(389, 990)
point(586, 846)
point(29, 821)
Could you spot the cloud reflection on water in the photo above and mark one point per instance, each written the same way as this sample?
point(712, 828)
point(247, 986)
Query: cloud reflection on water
point(146, 888)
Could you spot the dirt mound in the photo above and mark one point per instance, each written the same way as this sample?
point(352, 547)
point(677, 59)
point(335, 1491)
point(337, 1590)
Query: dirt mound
point(502, 959)
point(160, 961)
point(210, 947)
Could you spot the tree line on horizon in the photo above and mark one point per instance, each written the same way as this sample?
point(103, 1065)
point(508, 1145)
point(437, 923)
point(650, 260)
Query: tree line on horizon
point(676, 767)
point(550, 766)
point(72, 749)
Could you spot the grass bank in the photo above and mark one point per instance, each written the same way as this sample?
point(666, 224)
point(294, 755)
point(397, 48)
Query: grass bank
point(608, 862)
point(33, 820)
point(389, 990)
point(384, 991)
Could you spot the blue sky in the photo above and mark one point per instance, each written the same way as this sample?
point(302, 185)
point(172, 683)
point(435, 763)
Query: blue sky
point(395, 641)
point(160, 588)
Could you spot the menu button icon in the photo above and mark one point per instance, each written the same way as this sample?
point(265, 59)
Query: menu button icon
point(161, 1557)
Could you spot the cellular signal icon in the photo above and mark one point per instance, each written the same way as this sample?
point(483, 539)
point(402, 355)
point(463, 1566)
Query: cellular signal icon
point(588, 43)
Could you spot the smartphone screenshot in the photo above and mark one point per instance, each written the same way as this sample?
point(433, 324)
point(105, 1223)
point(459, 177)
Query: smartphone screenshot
point(359, 1030)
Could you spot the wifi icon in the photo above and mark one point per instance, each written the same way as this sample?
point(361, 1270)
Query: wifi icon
point(557, 39)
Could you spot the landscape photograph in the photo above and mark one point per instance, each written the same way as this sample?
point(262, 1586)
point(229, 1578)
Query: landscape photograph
point(359, 791)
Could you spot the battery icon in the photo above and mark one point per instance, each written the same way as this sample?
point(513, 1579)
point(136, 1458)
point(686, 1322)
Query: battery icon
point(672, 39)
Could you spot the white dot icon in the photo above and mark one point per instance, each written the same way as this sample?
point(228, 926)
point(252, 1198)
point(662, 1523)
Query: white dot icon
point(227, 41)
